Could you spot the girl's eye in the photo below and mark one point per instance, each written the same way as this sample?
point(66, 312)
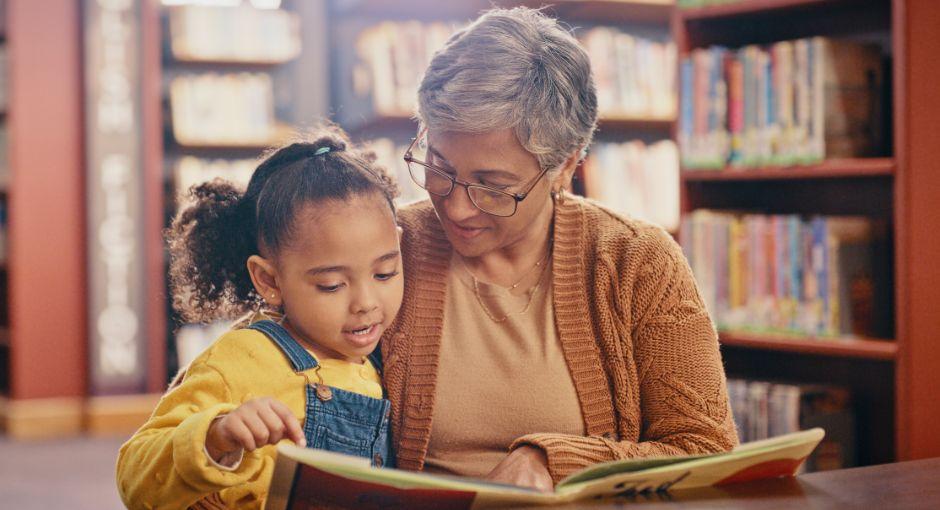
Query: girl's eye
point(330, 288)
point(386, 276)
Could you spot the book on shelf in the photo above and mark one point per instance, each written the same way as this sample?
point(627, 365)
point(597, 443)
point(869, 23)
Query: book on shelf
point(4, 77)
point(763, 409)
point(819, 276)
point(792, 102)
point(189, 171)
point(4, 156)
point(391, 156)
point(4, 231)
point(635, 76)
point(236, 34)
point(305, 478)
point(223, 109)
point(193, 339)
point(636, 179)
point(389, 61)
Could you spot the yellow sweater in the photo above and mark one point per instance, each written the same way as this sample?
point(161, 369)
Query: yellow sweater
point(164, 464)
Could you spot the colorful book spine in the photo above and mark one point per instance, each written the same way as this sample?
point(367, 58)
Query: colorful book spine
point(764, 409)
point(792, 102)
point(735, 71)
point(687, 112)
point(817, 277)
point(636, 179)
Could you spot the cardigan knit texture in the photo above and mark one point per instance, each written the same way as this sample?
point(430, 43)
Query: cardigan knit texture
point(637, 339)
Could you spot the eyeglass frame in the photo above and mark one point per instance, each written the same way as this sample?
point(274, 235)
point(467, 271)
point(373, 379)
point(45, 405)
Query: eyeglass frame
point(517, 197)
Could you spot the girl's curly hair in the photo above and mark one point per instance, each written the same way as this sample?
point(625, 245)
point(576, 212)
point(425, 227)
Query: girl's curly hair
point(210, 241)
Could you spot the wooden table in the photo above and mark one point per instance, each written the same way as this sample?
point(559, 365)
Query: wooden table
point(903, 485)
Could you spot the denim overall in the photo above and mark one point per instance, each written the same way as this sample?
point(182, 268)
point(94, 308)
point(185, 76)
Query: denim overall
point(337, 420)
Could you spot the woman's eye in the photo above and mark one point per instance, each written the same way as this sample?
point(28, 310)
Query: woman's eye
point(501, 187)
point(330, 288)
point(386, 276)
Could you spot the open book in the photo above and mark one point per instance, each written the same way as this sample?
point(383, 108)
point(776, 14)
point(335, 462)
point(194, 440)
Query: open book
point(303, 476)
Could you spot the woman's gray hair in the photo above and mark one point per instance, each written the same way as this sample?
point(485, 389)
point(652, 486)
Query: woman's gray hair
point(517, 69)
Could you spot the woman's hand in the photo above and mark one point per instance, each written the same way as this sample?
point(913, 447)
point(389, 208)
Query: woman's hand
point(256, 423)
point(526, 466)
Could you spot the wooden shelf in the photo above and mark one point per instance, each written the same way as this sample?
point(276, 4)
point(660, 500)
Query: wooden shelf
point(610, 11)
point(213, 151)
point(617, 122)
point(195, 62)
point(280, 134)
point(766, 21)
point(227, 146)
point(606, 122)
point(397, 122)
point(829, 169)
point(838, 347)
point(749, 7)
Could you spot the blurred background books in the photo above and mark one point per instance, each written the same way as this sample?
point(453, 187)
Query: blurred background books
point(787, 145)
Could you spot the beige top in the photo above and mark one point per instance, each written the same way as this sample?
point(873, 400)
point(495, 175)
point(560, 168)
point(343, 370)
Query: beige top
point(641, 349)
point(498, 381)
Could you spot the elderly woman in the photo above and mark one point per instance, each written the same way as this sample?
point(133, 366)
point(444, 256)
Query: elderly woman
point(540, 332)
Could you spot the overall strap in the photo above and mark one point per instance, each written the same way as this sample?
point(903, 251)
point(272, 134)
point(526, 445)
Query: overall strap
point(300, 359)
point(376, 358)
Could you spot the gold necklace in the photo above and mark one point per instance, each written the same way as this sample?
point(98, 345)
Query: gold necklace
point(527, 273)
point(532, 292)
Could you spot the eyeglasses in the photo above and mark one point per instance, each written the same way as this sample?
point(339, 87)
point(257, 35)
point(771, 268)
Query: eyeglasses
point(440, 183)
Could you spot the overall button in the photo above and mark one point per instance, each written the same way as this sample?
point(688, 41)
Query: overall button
point(324, 393)
point(377, 460)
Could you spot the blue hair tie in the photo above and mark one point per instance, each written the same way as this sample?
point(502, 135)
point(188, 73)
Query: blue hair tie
point(321, 151)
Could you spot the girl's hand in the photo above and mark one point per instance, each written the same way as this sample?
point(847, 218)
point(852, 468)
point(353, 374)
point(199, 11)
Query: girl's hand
point(256, 423)
point(526, 466)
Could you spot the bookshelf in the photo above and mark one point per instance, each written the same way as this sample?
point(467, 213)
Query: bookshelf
point(758, 7)
point(611, 11)
point(607, 123)
point(654, 124)
point(893, 379)
point(828, 169)
point(228, 73)
point(738, 22)
point(219, 65)
point(848, 347)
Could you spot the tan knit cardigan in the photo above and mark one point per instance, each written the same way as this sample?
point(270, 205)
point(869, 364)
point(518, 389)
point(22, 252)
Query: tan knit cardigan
point(640, 346)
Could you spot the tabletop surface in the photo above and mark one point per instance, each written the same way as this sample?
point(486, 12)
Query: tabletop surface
point(914, 484)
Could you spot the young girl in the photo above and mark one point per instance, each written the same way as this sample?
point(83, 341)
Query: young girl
point(311, 251)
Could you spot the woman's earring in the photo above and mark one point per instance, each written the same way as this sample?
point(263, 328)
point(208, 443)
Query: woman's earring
point(559, 196)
